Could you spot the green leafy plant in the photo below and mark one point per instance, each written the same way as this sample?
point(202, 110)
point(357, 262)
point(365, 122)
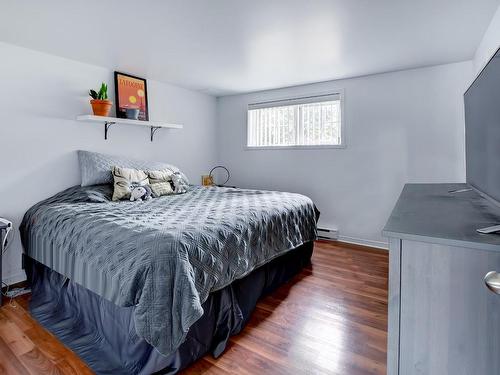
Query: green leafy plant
point(102, 94)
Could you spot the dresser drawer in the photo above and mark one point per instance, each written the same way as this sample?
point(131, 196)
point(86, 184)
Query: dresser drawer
point(449, 319)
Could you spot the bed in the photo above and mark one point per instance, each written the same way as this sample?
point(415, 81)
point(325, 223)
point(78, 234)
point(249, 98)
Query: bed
point(149, 287)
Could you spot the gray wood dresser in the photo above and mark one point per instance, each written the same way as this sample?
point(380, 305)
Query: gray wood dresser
point(442, 317)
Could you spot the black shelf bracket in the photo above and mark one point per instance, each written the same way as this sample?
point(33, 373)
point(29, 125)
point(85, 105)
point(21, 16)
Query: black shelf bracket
point(154, 129)
point(107, 125)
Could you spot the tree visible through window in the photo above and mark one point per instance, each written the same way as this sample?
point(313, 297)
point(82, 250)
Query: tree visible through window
point(310, 121)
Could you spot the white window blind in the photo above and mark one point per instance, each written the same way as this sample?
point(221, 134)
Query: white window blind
point(306, 121)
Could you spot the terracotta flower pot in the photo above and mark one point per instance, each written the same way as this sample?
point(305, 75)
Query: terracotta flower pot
point(101, 107)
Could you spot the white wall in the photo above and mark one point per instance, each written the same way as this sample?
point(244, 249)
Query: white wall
point(405, 126)
point(489, 44)
point(40, 96)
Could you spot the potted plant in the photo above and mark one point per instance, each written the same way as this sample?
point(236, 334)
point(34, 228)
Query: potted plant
point(101, 105)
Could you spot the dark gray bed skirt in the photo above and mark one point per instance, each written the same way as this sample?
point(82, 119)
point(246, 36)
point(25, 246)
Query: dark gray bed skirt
point(103, 334)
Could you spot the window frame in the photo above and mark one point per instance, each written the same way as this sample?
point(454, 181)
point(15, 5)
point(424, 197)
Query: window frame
point(343, 137)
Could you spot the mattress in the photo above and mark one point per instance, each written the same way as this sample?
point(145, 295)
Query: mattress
point(164, 256)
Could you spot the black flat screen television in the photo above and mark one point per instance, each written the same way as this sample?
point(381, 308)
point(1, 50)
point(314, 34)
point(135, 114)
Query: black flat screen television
point(482, 130)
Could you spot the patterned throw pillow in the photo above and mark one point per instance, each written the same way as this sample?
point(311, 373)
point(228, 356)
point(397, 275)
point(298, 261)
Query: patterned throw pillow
point(161, 188)
point(160, 176)
point(181, 184)
point(124, 178)
point(161, 182)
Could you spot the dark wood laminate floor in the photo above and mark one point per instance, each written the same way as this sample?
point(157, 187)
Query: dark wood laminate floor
point(330, 319)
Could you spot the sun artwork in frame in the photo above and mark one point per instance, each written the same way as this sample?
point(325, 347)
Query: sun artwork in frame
point(131, 93)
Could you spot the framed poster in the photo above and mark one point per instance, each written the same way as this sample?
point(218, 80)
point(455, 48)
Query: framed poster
point(131, 92)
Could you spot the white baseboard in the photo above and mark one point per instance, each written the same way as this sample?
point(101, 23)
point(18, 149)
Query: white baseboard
point(16, 278)
point(360, 241)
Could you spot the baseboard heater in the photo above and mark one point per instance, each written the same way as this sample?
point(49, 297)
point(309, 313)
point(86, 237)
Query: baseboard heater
point(328, 234)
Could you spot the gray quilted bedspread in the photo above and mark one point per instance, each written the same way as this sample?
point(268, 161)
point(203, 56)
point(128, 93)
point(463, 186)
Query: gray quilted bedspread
point(164, 256)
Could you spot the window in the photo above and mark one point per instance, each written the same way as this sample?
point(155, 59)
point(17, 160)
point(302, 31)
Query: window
point(301, 122)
